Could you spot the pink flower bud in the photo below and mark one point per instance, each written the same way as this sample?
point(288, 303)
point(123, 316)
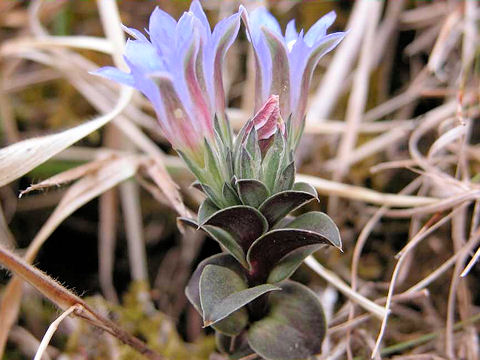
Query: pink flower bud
point(267, 120)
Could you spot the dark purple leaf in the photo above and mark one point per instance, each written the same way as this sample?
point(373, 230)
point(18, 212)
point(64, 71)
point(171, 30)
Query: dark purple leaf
point(217, 284)
point(293, 329)
point(252, 192)
point(234, 301)
point(281, 204)
point(244, 223)
point(310, 229)
point(287, 266)
point(192, 289)
point(228, 242)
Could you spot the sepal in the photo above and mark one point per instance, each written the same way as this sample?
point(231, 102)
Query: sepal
point(272, 161)
point(252, 192)
point(207, 208)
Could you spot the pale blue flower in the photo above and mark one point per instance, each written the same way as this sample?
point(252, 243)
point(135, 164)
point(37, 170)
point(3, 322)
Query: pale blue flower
point(285, 62)
point(179, 69)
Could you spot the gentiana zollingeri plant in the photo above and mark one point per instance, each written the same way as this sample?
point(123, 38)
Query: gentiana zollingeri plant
point(248, 179)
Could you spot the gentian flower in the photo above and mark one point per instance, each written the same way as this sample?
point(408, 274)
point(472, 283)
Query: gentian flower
point(179, 69)
point(285, 63)
point(244, 292)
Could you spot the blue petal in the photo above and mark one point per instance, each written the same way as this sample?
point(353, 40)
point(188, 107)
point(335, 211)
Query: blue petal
point(319, 29)
point(143, 55)
point(291, 34)
point(325, 45)
point(161, 29)
point(112, 73)
point(223, 37)
point(262, 17)
point(145, 85)
point(184, 30)
point(280, 82)
point(197, 10)
point(263, 61)
point(134, 33)
point(298, 57)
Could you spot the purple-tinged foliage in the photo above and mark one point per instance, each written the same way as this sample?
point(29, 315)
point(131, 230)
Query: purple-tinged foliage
point(285, 62)
point(179, 69)
point(249, 182)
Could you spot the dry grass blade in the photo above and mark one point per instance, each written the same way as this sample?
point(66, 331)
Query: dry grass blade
point(47, 286)
point(6, 237)
point(334, 280)
point(51, 330)
point(332, 83)
point(108, 213)
point(333, 188)
point(80, 193)
point(67, 176)
point(18, 159)
point(358, 97)
point(65, 299)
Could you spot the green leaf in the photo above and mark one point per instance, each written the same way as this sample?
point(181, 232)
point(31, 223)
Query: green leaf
point(315, 221)
point(207, 208)
point(272, 160)
point(287, 266)
point(319, 223)
point(277, 206)
point(212, 195)
point(294, 327)
point(244, 223)
point(229, 195)
point(194, 168)
point(192, 290)
point(235, 301)
point(246, 165)
point(286, 179)
point(222, 134)
point(240, 138)
point(216, 284)
point(253, 149)
point(229, 162)
point(228, 242)
point(189, 222)
point(305, 187)
point(290, 133)
point(212, 165)
point(252, 192)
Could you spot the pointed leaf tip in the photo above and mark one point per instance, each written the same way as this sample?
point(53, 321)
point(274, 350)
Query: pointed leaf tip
point(244, 223)
point(281, 204)
point(217, 283)
point(236, 301)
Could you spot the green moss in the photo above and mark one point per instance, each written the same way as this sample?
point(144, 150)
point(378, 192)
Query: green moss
point(138, 316)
